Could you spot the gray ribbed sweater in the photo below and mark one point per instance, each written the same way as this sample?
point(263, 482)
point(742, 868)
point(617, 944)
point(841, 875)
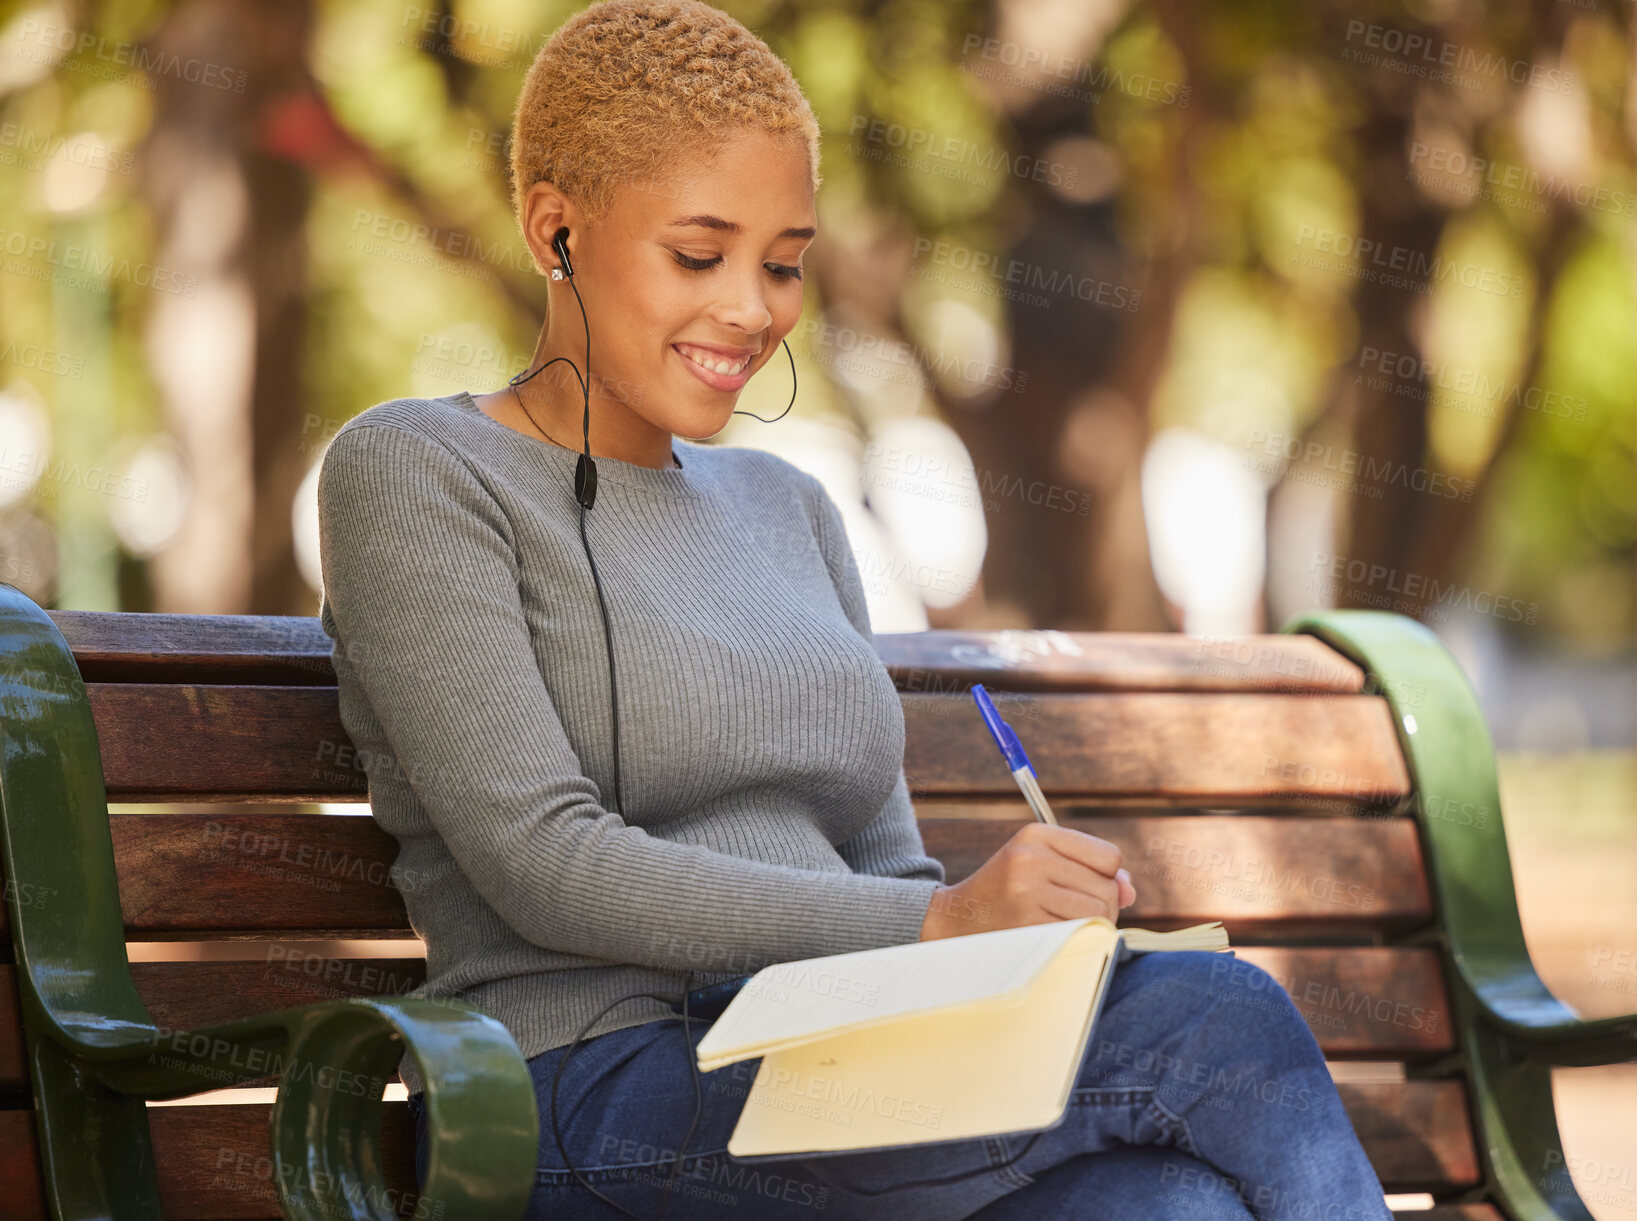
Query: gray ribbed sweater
point(761, 740)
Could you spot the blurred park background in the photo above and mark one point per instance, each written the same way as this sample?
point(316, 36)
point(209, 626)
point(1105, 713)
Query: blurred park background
point(1128, 316)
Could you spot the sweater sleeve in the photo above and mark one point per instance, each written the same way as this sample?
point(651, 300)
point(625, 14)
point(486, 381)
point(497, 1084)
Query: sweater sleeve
point(890, 846)
point(421, 578)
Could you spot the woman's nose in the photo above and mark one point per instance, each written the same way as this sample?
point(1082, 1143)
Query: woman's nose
point(742, 305)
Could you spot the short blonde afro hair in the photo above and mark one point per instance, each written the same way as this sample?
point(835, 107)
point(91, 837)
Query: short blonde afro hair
point(625, 87)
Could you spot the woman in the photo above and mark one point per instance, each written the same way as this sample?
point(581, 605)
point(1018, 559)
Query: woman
point(759, 811)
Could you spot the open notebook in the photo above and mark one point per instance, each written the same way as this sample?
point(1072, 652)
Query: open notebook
point(927, 1041)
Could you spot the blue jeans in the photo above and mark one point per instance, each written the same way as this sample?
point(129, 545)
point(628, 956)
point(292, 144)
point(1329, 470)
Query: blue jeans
point(1202, 1095)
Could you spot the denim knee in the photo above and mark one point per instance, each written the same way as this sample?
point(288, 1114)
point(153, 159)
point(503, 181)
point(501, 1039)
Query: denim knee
point(1203, 980)
point(1245, 987)
point(1191, 1006)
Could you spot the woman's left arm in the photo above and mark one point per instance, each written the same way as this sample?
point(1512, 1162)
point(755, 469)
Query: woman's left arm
point(890, 846)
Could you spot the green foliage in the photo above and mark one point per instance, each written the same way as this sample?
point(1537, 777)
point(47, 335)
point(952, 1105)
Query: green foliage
point(1239, 131)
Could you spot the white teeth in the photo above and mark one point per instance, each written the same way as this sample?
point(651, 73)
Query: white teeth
point(714, 363)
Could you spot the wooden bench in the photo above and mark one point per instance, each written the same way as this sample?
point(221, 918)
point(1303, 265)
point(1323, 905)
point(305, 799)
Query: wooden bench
point(1329, 794)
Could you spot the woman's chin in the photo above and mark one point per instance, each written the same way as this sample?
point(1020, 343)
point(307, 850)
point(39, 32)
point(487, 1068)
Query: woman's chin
point(703, 422)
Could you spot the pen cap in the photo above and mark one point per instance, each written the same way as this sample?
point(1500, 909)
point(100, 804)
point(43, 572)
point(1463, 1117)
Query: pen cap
point(1010, 747)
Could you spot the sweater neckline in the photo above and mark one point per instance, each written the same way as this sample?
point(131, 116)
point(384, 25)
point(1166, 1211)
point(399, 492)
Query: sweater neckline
point(670, 480)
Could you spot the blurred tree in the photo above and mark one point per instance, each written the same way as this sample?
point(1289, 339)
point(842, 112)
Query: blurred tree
point(1196, 157)
point(230, 206)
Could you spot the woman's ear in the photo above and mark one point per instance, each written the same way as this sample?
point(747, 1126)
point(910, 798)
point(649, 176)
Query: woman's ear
point(546, 210)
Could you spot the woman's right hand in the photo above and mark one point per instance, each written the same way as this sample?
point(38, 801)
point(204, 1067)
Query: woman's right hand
point(1043, 873)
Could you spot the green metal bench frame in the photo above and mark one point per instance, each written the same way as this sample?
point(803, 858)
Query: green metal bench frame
point(1511, 1029)
point(95, 1055)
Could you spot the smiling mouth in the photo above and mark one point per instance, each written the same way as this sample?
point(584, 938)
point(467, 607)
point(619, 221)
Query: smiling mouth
point(710, 360)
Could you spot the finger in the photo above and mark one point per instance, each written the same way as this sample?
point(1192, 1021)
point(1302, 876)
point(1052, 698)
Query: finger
point(1128, 892)
point(1072, 874)
point(1086, 850)
point(1065, 903)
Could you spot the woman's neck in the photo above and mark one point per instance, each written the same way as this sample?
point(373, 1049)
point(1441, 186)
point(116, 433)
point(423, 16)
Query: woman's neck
point(502, 407)
point(551, 403)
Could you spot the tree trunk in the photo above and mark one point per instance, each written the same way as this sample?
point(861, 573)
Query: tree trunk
point(227, 357)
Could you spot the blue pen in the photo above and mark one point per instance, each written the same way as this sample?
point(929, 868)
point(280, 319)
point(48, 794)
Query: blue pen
point(1016, 761)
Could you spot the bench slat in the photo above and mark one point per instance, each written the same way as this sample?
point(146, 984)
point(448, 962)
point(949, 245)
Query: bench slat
point(1260, 875)
point(276, 743)
point(146, 647)
point(1361, 1003)
point(1373, 1002)
point(293, 649)
point(214, 1160)
point(947, 660)
point(1187, 749)
point(259, 876)
point(287, 743)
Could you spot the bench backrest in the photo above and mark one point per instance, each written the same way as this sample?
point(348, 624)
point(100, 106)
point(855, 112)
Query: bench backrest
point(1251, 781)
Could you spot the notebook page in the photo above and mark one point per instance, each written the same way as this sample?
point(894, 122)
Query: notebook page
point(932, 1077)
point(811, 996)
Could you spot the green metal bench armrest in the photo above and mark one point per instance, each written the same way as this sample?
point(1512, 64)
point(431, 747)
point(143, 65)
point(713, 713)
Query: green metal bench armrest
point(1512, 1030)
point(95, 1054)
point(334, 1060)
point(1451, 761)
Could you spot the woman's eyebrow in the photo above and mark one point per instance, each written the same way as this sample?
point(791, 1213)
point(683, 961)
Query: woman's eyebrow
point(705, 220)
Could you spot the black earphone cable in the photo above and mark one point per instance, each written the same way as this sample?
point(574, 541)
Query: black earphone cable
point(698, 1096)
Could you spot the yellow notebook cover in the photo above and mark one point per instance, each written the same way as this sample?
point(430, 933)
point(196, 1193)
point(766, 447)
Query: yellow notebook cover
point(923, 1042)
